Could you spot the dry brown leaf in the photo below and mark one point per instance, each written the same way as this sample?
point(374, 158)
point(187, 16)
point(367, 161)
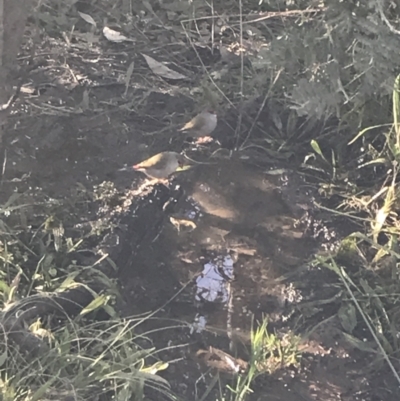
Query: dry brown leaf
point(242, 250)
point(115, 36)
point(182, 222)
point(161, 69)
point(87, 18)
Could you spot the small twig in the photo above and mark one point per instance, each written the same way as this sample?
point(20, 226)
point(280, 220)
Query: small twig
point(212, 27)
point(13, 98)
point(202, 64)
point(195, 161)
point(261, 108)
point(240, 115)
point(25, 72)
point(23, 76)
point(58, 111)
point(3, 169)
point(290, 13)
point(384, 18)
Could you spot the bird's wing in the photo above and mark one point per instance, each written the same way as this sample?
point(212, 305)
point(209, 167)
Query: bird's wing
point(151, 162)
point(187, 126)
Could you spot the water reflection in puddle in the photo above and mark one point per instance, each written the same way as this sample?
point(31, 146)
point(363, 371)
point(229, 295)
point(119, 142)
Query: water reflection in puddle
point(213, 282)
point(214, 286)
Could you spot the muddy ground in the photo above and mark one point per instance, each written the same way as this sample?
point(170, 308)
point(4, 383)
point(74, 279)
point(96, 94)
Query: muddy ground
point(238, 243)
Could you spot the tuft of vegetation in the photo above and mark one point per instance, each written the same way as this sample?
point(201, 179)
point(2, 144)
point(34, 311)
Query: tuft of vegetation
point(269, 354)
point(85, 361)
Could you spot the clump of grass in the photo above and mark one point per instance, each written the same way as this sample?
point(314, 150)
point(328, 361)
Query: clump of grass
point(371, 304)
point(268, 354)
point(83, 362)
point(80, 359)
point(366, 261)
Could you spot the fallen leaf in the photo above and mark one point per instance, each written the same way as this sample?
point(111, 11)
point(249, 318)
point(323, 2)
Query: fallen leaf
point(128, 76)
point(115, 36)
point(182, 222)
point(87, 18)
point(359, 344)
point(347, 316)
point(243, 250)
point(220, 360)
point(161, 69)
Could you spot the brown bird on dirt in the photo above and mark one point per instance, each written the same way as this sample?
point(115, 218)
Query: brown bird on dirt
point(202, 126)
point(160, 166)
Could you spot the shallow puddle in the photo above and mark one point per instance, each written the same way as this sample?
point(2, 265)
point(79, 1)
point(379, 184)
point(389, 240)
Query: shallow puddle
point(240, 245)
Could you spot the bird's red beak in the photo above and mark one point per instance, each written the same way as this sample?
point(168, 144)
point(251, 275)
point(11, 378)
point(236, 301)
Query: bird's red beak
point(128, 168)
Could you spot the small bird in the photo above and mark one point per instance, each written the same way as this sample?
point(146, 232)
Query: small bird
point(160, 166)
point(202, 125)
